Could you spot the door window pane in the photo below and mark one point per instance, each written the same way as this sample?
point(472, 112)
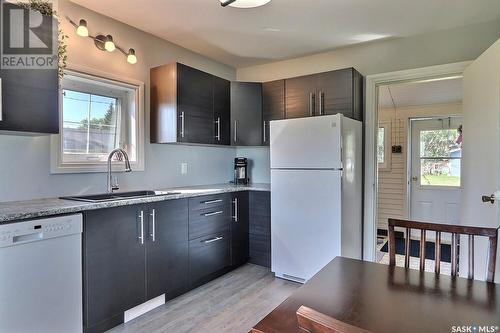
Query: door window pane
point(440, 172)
point(439, 143)
point(440, 158)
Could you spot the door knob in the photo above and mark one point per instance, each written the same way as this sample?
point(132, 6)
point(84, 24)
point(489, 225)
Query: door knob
point(489, 198)
point(414, 178)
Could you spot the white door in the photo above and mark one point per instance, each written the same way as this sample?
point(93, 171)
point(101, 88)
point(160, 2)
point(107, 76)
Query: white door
point(306, 143)
point(435, 177)
point(481, 151)
point(305, 221)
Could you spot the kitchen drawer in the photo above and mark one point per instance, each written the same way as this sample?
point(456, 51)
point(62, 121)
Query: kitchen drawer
point(209, 201)
point(208, 255)
point(208, 221)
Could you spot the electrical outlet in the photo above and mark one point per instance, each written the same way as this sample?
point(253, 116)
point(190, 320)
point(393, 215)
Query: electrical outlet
point(184, 168)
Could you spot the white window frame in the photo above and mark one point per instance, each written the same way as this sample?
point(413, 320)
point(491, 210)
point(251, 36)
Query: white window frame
point(57, 166)
point(386, 166)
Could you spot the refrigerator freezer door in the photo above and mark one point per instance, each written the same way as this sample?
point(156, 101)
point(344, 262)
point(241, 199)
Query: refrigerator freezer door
point(306, 143)
point(305, 221)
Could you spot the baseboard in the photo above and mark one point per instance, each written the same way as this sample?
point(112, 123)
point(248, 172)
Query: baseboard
point(141, 309)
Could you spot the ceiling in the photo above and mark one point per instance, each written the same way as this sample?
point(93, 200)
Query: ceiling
point(289, 28)
point(421, 93)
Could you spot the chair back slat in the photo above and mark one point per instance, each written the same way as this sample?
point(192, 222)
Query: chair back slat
point(471, 257)
point(313, 321)
point(407, 247)
point(422, 249)
point(392, 246)
point(454, 254)
point(455, 231)
point(492, 258)
point(437, 253)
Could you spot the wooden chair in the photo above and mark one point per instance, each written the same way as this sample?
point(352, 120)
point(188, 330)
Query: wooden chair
point(455, 231)
point(313, 321)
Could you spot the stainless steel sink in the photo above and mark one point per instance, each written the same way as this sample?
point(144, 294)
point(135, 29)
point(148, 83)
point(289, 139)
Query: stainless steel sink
point(118, 196)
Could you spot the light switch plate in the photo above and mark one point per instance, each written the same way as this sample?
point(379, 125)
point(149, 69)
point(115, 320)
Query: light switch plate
point(184, 168)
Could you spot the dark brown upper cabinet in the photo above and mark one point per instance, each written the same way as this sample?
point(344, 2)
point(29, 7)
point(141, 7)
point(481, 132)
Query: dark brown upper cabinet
point(222, 111)
point(30, 97)
point(300, 97)
point(188, 106)
point(246, 114)
point(339, 91)
point(273, 105)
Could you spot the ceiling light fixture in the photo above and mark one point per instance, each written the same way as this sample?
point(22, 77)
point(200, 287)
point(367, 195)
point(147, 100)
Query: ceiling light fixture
point(102, 42)
point(244, 3)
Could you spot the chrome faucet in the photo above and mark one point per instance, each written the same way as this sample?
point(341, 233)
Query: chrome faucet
point(112, 187)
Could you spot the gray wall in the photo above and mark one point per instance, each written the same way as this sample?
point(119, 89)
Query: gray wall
point(25, 164)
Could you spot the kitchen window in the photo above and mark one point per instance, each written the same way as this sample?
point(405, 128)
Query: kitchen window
point(384, 146)
point(97, 115)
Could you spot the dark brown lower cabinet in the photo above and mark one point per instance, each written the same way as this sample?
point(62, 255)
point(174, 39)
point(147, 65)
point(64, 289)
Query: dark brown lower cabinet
point(167, 249)
point(132, 254)
point(260, 228)
point(209, 256)
point(114, 266)
point(239, 229)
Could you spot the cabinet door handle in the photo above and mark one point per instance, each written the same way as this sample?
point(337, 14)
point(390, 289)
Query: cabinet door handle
point(209, 202)
point(320, 103)
point(153, 225)
point(213, 213)
point(235, 131)
point(217, 122)
point(311, 104)
point(141, 227)
point(264, 132)
point(211, 240)
point(182, 123)
point(235, 202)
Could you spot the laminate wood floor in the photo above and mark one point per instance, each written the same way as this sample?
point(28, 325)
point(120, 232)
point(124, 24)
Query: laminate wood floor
point(232, 303)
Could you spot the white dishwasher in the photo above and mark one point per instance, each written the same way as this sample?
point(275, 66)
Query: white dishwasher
point(41, 275)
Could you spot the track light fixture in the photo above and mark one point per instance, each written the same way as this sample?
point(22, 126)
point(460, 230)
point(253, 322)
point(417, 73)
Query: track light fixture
point(103, 42)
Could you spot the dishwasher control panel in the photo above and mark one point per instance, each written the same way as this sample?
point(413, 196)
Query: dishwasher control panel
point(40, 229)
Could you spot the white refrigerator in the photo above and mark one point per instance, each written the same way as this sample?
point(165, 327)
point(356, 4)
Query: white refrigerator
point(316, 193)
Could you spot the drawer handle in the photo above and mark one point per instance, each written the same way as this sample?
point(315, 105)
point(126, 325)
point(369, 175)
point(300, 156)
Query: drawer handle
point(211, 201)
point(213, 213)
point(211, 240)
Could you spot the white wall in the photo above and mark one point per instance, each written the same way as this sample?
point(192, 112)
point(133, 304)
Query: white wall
point(24, 166)
point(392, 183)
point(440, 47)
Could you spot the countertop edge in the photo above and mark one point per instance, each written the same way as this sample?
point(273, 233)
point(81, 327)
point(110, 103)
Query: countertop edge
point(16, 211)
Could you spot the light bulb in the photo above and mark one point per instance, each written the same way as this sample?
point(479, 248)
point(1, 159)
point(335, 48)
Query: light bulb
point(131, 57)
point(82, 29)
point(109, 45)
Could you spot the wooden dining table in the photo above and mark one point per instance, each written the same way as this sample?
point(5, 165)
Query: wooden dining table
point(386, 299)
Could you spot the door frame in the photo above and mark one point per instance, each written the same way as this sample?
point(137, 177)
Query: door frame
point(372, 84)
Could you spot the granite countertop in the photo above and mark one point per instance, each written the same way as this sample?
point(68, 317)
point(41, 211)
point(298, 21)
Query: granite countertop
point(21, 210)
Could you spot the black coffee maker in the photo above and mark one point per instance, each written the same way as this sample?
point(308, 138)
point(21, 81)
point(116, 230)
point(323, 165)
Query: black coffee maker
point(241, 171)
